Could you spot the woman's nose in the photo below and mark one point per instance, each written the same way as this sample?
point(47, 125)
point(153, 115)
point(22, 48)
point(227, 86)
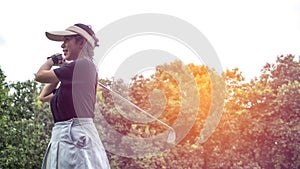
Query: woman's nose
point(62, 45)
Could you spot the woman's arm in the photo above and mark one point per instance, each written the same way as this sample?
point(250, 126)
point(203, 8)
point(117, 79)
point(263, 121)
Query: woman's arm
point(45, 74)
point(47, 92)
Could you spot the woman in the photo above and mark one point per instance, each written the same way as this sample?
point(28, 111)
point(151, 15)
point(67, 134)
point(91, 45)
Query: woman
point(71, 90)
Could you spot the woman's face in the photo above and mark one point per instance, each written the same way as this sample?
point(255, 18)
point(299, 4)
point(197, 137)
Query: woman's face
point(71, 48)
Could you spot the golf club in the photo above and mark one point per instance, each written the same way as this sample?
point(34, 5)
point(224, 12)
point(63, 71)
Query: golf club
point(172, 135)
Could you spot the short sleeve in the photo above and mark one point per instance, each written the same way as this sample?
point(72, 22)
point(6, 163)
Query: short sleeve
point(65, 73)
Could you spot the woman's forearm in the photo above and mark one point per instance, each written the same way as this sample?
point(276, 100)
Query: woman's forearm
point(47, 92)
point(45, 74)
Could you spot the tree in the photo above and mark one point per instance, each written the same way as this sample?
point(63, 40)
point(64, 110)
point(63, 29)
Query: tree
point(259, 127)
point(279, 145)
point(25, 125)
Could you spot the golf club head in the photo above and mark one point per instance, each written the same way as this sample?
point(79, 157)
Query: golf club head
point(172, 136)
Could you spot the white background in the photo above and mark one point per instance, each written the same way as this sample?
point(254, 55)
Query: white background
point(245, 34)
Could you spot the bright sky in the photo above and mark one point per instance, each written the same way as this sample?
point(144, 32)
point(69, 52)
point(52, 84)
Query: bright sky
point(245, 34)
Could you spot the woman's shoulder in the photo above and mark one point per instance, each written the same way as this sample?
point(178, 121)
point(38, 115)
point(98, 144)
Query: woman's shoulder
point(84, 61)
point(86, 64)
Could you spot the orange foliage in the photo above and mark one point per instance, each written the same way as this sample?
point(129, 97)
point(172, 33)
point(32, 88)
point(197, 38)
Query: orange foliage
point(141, 88)
point(203, 82)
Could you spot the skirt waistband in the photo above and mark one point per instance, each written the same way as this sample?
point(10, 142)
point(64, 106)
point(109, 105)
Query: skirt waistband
point(74, 121)
point(63, 130)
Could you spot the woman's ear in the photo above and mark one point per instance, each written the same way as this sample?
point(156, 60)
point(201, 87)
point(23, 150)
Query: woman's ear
point(82, 42)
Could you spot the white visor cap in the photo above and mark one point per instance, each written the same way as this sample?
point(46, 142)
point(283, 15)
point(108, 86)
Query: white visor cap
point(72, 30)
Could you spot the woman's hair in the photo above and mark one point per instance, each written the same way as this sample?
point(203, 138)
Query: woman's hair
point(88, 49)
point(89, 30)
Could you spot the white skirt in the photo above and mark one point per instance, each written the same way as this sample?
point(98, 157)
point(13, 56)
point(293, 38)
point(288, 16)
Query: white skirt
point(75, 144)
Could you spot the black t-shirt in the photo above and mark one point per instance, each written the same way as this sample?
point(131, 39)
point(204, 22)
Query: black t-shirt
point(76, 95)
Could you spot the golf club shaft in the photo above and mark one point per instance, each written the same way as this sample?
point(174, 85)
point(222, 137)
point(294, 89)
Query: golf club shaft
point(137, 107)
